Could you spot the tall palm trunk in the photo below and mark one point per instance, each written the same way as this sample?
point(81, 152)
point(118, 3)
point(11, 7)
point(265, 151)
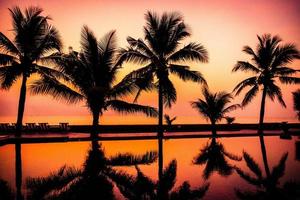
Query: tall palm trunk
point(160, 167)
point(160, 110)
point(264, 155)
point(21, 107)
point(95, 124)
point(262, 111)
point(18, 171)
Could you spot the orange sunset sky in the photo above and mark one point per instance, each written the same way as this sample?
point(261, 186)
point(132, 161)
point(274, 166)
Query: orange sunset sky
point(223, 27)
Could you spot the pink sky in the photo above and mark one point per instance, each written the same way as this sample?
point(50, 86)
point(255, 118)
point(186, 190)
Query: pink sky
point(223, 28)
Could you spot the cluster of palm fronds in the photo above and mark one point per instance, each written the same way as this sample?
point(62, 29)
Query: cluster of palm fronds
point(90, 74)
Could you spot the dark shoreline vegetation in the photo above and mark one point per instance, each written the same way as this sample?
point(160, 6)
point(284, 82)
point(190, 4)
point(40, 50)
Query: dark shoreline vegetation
point(89, 75)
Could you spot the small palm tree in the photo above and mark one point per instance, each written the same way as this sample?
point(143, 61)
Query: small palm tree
point(296, 97)
point(159, 53)
point(93, 181)
point(269, 65)
point(34, 39)
point(6, 192)
point(141, 187)
point(214, 106)
point(229, 120)
point(91, 76)
point(214, 155)
point(169, 120)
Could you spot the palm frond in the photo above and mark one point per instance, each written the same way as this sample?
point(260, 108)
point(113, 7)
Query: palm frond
point(59, 91)
point(278, 170)
point(250, 95)
point(185, 73)
point(231, 108)
point(245, 66)
point(247, 177)
point(168, 91)
point(8, 46)
point(274, 91)
point(6, 59)
point(168, 178)
point(252, 165)
point(245, 83)
point(285, 54)
point(289, 80)
point(190, 52)
point(296, 98)
point(129, 159)
point(131, 55)
point(9, 75)
point(124, 107)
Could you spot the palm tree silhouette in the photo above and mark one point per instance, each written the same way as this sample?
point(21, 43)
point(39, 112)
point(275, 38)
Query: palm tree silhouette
point(214, 106)
point(93, 181)
point(267, 187)
point(158, 53)
point(296, 98)
point(169, 120)
point(141, 187)
point(269, 65)
point(34, 39)
point(90, 76)
point(214, 156)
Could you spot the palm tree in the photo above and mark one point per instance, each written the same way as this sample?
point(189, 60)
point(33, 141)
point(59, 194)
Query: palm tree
point(229, 120)
point(91, 76)
point(160, 55)
point(93, 181)
point(34, 38)
point(296, 97)
point(214, 155)
point(6, 192)
point(267, 187)
point(269, 65)
point(169, 120)
point(141, 187)
point(214, 106)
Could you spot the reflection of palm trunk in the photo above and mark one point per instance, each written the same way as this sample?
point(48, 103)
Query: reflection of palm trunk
point(264, 155)
point(160, 111)
point(262, 112)
point(160, 167)
point(21, 106)
point(18, 169)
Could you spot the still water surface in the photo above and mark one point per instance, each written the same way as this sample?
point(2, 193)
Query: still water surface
point(204, 162)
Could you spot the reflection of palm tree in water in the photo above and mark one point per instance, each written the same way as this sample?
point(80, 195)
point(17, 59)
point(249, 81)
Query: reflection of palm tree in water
point(93, 181)
point(268, 186)
point(141, 187)
point(214, 155)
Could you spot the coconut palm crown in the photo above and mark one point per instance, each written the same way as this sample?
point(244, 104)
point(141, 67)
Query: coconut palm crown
point(160, 53)
point(33, 39)
point(269, 65)
point(214, 106)
point(91, 77)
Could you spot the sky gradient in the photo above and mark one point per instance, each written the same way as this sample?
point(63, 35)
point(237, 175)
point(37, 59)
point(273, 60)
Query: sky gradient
point(223, 27)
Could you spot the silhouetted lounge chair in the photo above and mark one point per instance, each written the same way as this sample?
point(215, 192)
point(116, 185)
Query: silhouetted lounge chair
point(31, 127)
point(4, 127)
point(44, 126)
point(64, 126)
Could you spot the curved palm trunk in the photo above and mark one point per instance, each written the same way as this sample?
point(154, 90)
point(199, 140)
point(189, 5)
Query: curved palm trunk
point(264, 155)
point(95, 125)
point(160, 168)
point(21, 106)
point(18, 171)
point(262, 111)
point(160, 111)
